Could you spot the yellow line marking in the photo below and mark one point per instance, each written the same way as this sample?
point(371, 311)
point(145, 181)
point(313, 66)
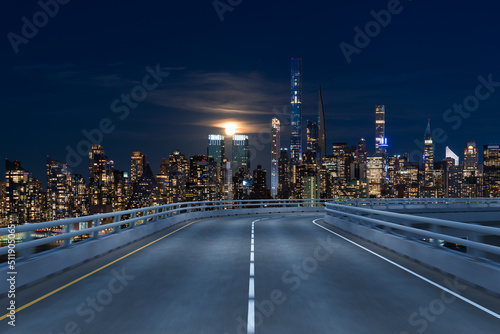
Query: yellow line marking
point(93, 272)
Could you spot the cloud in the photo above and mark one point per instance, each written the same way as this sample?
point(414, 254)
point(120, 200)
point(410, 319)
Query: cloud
point(220, 97)
point(220, 93)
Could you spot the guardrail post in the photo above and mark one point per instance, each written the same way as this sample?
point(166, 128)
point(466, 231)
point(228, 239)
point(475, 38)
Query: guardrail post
point(132, 216)
point(261, 204)
point(116, 219)
point(67, 229)
point(95, 223)
point(476, 253)
point(155, 218)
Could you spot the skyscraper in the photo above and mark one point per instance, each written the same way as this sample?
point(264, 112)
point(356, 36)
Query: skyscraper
point(216, 148)
point(296, 111)
point(375, 174)
point(137, 165)
point(361, 152)
point(80, 196)
point(100, 180)
point(241, 154)
point(178, 162)
point(3, 190)
point(216, 151)
point(470, 164)
point(25, 200)
point(146, 193)
point(275, 150)
point(406, 179)
point(312, 136)
point(339, 154)
point(259, 186)
point(122, 189)
point(472, 178)
point(284, 175)
point(491, 154)
point(452, 155)
point(93, 171)
point(164, 166)
point(379, 128)
point(59, 190)
point(321, 125)
point(203, 184)
point(428, 157)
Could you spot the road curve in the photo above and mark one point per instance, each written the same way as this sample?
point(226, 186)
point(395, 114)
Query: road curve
point(300, 277)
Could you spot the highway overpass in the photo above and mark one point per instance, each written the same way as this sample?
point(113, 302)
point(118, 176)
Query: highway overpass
point(272, 268)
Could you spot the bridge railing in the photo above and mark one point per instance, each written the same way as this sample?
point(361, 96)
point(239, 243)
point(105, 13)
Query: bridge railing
point(64, 232)
point(467, 202)
point(417, 227)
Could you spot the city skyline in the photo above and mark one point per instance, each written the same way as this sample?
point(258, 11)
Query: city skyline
point(52, 93)
point(128, 168)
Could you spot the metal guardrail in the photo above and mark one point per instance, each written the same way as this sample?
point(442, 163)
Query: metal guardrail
point(485, 201)
point(356, 211)
point(96, 225)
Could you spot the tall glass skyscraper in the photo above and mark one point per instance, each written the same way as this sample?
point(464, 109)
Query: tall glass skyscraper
point(491, 170)
point(428, 157)
point(284, 191)
point(137, 165)
point(296, 111)
point(241, 154)
point(100, 180)
point(470, 164)
point(275, 151)
point(216, 148)
point(379, 128)
point(59, 189)
point(312, 136)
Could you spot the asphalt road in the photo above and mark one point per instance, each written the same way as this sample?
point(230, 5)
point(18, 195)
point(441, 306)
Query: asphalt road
point(306, 280)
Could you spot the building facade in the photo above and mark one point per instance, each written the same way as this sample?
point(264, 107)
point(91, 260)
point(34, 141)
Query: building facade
point(296, 111)
point(275, 151)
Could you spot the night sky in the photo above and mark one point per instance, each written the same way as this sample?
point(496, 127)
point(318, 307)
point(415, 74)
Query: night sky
point(65, 79)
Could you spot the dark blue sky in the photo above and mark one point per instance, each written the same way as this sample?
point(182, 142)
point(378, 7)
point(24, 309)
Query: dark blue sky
point(65, 79)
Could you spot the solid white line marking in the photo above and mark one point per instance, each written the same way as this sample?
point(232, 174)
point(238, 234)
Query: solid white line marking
point(414, 273)
point(251, 317)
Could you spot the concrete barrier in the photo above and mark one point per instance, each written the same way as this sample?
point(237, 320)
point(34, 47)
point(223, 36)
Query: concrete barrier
point(42, 265)
point(469, 270)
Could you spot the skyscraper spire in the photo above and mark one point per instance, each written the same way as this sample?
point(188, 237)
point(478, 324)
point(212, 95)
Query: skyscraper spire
point(321, 125)
point(428, 134)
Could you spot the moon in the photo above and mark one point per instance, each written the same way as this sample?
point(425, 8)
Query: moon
point(230, 129)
